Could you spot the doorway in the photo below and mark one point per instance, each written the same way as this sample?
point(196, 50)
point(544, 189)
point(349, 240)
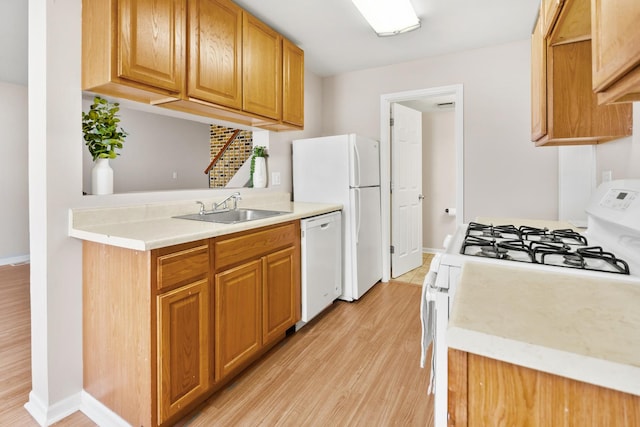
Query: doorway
point(447, 94)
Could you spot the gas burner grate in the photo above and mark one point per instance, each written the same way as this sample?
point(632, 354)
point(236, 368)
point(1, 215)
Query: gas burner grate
point(596, 252)
point(559, 248)
point(489, 230)
point(545, 235)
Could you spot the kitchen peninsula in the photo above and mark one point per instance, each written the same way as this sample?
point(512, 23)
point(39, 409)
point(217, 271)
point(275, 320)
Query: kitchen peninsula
point(527, 346)
point(173, 309)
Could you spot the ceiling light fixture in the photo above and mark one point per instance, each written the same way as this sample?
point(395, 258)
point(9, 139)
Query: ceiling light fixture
point(388, 17)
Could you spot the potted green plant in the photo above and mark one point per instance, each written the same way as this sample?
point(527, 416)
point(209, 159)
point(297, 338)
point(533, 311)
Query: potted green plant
point(258, 167)
point(103, 137)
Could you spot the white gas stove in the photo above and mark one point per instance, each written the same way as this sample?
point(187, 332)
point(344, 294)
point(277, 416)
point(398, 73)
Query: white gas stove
point(608, 248)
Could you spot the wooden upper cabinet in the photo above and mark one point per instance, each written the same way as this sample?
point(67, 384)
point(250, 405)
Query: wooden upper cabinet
point(261, 69)
point(215, 52)
point(616, 50)
point(550, 9)
point(150, 39)
point(538, 82)
point(133, 48)
point(573, 23)
point(292, 84)
point(565, 109)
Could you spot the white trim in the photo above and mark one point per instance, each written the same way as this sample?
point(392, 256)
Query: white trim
point(20, 259)
point(385, 158)
point(47, 415)
point(99, 413)
point(431, 250)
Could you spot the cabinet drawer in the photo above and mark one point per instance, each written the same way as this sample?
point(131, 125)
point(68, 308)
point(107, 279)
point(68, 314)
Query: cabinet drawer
point(181, 264)
point(248, 245)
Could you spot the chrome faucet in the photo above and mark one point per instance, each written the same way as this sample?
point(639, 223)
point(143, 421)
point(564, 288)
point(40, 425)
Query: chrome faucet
point(223, 204)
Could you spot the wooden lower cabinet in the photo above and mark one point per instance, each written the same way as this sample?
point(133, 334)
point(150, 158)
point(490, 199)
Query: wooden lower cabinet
point(184, 357)
point(238, 301)
point(257, 293)
point(163, 329)
point(488, 392)
point(280, 293)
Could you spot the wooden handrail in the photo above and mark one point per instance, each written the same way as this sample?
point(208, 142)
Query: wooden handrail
point(221, 152)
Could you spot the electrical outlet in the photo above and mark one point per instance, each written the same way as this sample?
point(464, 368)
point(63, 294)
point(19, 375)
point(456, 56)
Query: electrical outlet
point(174, 175)
point(275, 178)
point(607, 176)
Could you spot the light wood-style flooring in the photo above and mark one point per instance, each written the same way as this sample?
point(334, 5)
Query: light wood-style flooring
point(416, 276)
point(355, 365)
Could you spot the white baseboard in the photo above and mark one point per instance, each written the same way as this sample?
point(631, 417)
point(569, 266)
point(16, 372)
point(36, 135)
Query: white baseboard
point(21, 259)
point(47, 415)
point(431, 250)
point(99, 413)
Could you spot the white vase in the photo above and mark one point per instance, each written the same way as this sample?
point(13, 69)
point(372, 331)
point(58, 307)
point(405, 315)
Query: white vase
point(260, 173)
point(101, 177)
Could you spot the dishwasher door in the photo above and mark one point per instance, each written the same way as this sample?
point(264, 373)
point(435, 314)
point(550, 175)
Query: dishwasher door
point(321, 264)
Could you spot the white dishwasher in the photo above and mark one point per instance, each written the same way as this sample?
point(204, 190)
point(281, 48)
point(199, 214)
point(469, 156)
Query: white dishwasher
point(321, 252)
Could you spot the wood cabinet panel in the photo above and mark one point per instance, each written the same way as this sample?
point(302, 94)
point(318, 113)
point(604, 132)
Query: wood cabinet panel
point(550, 9)
point(574, 107)
point(616, 50)
point(238, 320)
point(183, 347)
point(280, 293)
point(261, 68)
point(503, 394)
point(150, 42)
point(574, 22)
point(248, 245)
point(215, 52)
point(183, 264)
point(292, 84)
point(119, 356)
point(538, 83)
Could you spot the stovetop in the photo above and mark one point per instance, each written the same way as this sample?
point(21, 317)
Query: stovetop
point(560, 248)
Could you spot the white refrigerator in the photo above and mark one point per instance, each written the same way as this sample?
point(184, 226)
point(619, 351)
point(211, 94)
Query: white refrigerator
point(345, 169)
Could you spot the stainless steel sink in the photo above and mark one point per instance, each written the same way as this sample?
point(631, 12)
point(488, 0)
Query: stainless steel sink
point(232, 216)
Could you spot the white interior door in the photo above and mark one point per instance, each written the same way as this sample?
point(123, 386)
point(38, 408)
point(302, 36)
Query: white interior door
point(406, 189)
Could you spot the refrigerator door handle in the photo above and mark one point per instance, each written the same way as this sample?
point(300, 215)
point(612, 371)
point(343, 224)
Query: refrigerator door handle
point(358, 213)
point(356, 165)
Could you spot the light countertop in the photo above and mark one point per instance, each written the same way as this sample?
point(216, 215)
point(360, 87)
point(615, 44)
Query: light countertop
point(583, 328)
point(146, 227)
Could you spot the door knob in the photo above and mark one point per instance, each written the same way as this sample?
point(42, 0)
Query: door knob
point(420, 197)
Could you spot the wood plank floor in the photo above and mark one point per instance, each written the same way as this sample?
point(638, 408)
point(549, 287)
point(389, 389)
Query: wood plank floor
point(356, 365)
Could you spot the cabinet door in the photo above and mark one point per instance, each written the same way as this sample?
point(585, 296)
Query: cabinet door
point(151, 42)
point(215, 52)
point(292, 84)
point(238, 316)
point(183, 347)
point(616, 41)
point(281, 293)
point(538, 83)
point(261, 68)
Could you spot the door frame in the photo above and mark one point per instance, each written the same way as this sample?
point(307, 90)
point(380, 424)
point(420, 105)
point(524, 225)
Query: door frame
point(385, 158)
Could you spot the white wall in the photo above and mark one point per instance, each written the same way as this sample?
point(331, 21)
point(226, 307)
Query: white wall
point(504, 173)
point(622, 156)
point(156, 146)
point(280, 142)
point(438, 176)
point(14, 190)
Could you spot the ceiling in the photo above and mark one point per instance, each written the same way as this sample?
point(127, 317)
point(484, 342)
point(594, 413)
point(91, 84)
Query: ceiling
point(334, 36)
point(337, 39)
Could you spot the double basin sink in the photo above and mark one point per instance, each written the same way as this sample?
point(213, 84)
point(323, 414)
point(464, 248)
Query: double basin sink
point(232, 216)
